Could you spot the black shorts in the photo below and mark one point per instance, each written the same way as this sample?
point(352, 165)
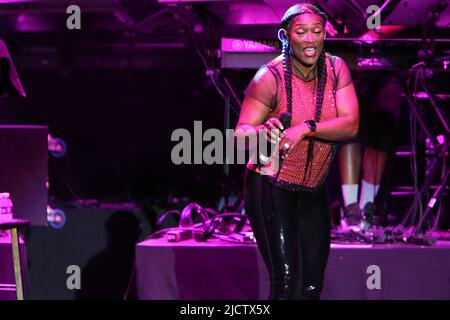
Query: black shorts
point(380, 98)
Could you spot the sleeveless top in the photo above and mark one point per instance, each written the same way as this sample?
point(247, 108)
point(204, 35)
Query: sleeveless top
point(297, 172)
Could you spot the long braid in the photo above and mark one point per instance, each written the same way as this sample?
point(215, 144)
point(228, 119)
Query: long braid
point(322, 75)
point(287, 74)
point(288, 86)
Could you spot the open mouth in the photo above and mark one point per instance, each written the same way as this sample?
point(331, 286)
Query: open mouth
point(310, 51)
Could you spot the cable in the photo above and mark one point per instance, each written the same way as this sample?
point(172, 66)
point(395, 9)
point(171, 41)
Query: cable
point(417, 76)
point(239, 238)
point(160, 233)
point(417, 197)
point(413, 137)
point(75, 195)
point(211, 73)
point(164, 216)
point(130, 281)
point(410, 218)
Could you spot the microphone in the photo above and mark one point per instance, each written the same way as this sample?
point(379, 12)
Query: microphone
point(264, 155)
point(285, 119)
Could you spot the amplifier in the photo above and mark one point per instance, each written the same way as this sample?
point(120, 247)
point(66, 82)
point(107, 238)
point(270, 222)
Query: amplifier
point(24, 170)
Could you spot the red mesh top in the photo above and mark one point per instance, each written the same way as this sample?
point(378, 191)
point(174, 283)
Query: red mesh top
point(268, 87)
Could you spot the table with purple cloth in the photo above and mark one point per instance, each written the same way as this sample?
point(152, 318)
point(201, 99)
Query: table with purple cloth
point(220, 270)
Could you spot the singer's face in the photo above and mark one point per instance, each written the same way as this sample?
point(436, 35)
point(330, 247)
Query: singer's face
point(306, 34)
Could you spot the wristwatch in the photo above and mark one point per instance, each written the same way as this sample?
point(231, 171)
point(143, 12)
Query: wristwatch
point(311, 125)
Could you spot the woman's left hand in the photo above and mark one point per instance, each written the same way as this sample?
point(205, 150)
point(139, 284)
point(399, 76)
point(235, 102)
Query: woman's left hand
point(291, 137)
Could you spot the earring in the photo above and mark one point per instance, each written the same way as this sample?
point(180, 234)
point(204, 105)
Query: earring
point(282, 35)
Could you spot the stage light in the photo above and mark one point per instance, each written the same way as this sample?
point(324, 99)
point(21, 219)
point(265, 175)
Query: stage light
point(56, 146)
point(56, 218)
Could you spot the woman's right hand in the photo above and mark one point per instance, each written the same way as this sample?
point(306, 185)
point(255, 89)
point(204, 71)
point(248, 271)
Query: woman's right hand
point(274, 130)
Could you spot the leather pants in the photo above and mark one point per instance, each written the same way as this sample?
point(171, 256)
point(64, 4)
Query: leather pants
point(292, 230)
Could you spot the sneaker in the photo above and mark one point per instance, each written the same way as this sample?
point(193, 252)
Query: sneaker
point(368, 213)
point(351, 216)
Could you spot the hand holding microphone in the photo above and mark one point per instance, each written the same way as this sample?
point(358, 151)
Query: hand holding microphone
point(293, 135)
point(291, 138)
point(276, 129)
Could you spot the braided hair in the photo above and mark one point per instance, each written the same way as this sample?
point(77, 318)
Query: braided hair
point(290, 14)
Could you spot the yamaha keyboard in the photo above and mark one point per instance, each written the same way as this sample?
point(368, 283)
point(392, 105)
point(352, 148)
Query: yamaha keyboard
point(388, 54)
point(247, 31)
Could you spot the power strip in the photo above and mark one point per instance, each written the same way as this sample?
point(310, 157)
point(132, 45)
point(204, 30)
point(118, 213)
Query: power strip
point(179, 235)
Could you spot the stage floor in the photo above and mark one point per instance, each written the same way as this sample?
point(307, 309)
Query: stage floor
point(217, 270)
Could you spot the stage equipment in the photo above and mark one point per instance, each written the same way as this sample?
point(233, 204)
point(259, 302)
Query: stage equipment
point(56, 217)
point(428, 114)
point(56, 146)
point(202, 224)
point(23, 170)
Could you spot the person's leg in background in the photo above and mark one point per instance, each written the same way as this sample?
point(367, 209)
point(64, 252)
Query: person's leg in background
point(349, 167)
point(374, 163)
point(350, 158)
point(381, 142)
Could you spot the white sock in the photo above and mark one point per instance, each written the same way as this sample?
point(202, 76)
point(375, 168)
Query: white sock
point(349, 193)
point(368, 193)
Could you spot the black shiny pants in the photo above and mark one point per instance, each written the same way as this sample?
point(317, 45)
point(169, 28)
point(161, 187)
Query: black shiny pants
point(292, 230)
